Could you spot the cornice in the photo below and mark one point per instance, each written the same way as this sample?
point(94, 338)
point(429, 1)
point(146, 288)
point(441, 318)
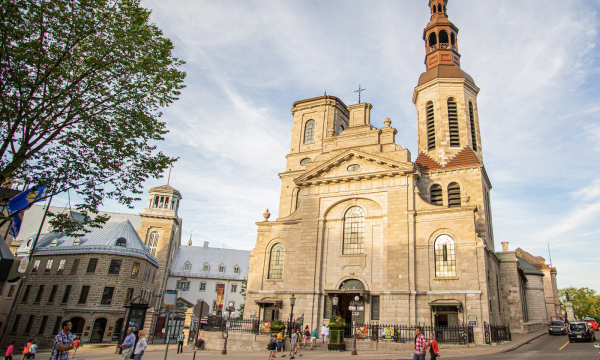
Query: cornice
point(442, 210)
point(437, 81)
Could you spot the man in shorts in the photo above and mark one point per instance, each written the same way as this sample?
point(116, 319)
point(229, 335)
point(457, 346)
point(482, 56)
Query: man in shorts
point(280, 338)
point(293, 343)
point(313, 339)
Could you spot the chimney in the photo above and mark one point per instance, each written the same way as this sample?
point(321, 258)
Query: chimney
point(505, 246)
point(206, 244)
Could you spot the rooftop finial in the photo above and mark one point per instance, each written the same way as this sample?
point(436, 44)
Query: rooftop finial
point(190, 241)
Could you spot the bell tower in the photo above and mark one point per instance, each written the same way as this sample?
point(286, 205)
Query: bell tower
point(446, 96)
point(160, 230)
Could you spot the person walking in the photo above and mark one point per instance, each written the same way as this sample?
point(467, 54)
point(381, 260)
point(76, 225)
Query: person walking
point(432, 344)
point(75, 346)
point(280, 338)
point(272, 346)
point(180, 340)
point(419, 346)
point(313, 339)
point(128, 344)
point(306, 335)
point(63, 342)
point(32, 349)
point(141, 346)
point(324, 329)
point(26, 350)
point(10, 350)
point(293, 342)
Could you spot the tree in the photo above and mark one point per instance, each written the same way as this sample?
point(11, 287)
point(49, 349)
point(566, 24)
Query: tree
point(243, 293)
point(82, 84)
point(586, 302)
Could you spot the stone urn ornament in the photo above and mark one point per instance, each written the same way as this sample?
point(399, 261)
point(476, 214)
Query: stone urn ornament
point(266, 215)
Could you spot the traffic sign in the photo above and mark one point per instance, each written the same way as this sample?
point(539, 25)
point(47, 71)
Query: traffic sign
point(201, 309)
point(355, 313)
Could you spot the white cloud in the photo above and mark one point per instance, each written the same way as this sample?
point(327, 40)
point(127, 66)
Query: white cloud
point(248, 61)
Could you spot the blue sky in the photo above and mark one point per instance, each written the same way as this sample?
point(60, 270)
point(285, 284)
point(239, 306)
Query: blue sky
point(248, 61)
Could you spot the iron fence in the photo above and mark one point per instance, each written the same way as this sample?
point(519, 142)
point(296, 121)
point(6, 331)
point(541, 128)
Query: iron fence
point(496, 333)
point(406, 333)
point(246, 326)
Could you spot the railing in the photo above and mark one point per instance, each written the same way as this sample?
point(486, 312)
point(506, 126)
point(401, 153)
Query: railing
point(442, 47)
point(406, 333)
point(496, 333)
point(245, 326)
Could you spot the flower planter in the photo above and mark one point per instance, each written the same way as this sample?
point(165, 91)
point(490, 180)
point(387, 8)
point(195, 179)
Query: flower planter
point(336, 338)
point(276, 329)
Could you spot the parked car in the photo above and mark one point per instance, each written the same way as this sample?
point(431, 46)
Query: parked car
point(591, 323)
point(579, 331)
point(558, 327)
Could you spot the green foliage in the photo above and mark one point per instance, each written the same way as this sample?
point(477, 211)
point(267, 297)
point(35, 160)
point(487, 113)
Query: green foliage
point(243, 293)
point(82, 87)
point(337, 321)
point(586, 302)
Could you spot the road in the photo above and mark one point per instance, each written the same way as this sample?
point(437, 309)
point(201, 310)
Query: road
point(549, 348)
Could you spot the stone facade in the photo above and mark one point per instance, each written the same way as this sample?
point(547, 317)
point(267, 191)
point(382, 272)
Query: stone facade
point(51, 294)
point(422, 251)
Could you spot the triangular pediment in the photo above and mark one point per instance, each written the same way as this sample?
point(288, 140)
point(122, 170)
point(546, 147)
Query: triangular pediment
point(354, 165)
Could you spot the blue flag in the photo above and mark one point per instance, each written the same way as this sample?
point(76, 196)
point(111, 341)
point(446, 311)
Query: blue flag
point(17, 205)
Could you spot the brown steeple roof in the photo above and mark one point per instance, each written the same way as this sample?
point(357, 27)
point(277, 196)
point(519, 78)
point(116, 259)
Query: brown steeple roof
point(465, 158)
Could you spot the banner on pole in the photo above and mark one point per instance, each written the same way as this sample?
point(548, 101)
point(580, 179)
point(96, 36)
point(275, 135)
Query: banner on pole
point(220, 293)
point(18, 204)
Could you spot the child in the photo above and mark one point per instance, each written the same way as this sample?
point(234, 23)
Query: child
point(26, 350)
point(272, 347)
point(32, 349)
point(75, 345)
point(10, 350)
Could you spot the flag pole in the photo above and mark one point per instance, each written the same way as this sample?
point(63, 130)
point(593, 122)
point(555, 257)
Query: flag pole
point(13, 307)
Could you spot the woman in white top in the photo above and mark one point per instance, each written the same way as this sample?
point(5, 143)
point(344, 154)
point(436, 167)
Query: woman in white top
point(140, 348)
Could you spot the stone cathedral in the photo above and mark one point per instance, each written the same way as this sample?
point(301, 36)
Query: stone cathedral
point(357, 216)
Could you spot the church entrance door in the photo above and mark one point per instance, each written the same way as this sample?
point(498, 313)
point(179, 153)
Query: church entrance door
point(346, 314)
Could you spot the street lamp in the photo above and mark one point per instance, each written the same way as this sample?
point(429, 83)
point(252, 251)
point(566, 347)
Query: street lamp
point(355, 306)
point(292, 303)
point(229, 309)
point(334, 301)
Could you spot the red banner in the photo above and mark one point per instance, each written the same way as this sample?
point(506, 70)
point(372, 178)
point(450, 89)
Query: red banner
point(220, 295)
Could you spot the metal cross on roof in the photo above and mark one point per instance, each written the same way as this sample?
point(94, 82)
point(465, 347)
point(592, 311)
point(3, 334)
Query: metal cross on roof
point(359, 91)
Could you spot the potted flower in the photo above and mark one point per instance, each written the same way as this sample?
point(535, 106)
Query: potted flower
point(337, 326)
point(277, 326)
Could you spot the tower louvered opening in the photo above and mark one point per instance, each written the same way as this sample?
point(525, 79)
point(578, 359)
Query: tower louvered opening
point(453, 123)
point(454, 195)
point(435, 195)
point(430, 127)
point(473, 132)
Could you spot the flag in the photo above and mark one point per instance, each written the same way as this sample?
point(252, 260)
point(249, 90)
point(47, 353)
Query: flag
point(17, 205)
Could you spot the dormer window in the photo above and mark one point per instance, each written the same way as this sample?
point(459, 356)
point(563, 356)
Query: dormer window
point(205, 267)
point(54, 243)
point(187, 266)
point(76, 242)
point(221, 268)
point(236, 269)
point(29, 242)
point(121, 242)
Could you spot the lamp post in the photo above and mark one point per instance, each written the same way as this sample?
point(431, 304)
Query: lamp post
point(334, 301)
point(355, 306)
point(229, 309)
point(292, 303)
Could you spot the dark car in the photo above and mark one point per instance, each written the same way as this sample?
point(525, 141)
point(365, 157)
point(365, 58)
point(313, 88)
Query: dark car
point(558, 327)
point(580, 331)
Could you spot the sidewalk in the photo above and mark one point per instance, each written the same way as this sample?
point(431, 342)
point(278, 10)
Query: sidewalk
point(157, 352)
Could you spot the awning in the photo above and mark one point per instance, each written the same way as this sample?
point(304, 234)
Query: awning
point(269, 301)
point(448, 302)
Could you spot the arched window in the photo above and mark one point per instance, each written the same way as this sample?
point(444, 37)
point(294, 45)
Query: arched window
point(434, 9)
point(453, 123)
point(453, 195)
point(430, 127)
point(54, 242)
point(205, 267)
point(153, 242)
point(121, 242)
point(236, 269)
point(341, 129)
point(304, 161)
point(297, 199)
point(445, 258)
point(435, 195)
point(276, 261)
point(443, 37)
point(309, 132)
point(473, 130)
point(354, 231)
point(29, 242)
point(453, 40)
point(187, 266)
point(432, 41)
point(439, 8)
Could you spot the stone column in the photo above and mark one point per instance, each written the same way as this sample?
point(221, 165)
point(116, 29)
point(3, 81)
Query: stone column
point(570, 313)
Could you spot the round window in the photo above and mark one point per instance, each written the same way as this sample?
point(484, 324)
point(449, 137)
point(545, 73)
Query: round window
point(354, 168)
point(304, 161)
